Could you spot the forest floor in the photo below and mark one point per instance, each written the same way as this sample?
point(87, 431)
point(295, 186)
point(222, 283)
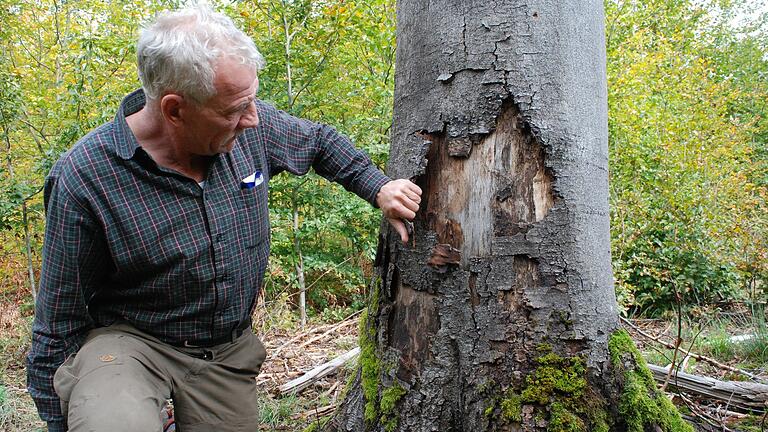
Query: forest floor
point(293, 350)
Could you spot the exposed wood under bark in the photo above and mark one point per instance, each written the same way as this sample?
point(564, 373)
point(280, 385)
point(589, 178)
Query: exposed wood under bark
point(442, 255)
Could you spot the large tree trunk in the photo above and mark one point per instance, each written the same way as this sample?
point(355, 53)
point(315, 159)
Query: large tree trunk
point(499, 315)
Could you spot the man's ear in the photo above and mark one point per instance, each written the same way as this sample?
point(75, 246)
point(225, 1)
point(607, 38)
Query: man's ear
point(172, 107)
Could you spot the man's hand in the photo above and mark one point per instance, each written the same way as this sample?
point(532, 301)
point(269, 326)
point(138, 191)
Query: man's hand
point(399, 200)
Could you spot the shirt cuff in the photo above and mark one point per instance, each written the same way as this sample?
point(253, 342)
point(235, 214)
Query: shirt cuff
point(376, 179)
point(57, 426)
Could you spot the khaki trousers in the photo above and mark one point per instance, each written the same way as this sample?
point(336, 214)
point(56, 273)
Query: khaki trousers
point(121, 377)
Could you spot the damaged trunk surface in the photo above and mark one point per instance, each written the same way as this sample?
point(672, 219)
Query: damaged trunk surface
point(498, 315)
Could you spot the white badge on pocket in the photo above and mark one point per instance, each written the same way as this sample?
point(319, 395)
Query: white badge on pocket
point(252, 180)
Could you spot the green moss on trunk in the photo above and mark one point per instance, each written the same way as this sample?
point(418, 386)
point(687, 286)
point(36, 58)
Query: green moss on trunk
point(389, 399)
point(558, 390)
point(370, 365)
point(641, 404)
point(377, 409)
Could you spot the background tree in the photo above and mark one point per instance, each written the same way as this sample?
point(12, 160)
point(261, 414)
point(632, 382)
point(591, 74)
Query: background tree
point(500, 313)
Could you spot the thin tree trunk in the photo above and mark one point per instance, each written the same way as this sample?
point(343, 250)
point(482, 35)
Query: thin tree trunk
point(299, 266)
point(498, 317)
point(27, 242)
point(287, 46)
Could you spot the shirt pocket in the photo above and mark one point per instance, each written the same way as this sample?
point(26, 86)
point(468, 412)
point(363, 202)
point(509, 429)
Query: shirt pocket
point(252, 218)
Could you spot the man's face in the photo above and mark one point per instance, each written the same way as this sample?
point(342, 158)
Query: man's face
point(213, 126)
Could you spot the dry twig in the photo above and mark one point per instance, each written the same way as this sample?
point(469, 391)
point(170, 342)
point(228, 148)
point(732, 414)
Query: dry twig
point(699, 357)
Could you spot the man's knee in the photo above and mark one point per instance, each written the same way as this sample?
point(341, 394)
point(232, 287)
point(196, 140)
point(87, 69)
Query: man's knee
point(104, 387)
point(120, 397)
point(118, 411)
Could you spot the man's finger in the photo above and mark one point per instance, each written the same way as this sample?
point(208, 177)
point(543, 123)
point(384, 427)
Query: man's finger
point(406, 213)
point(414, 188)
point(410, 205)
point(399, 226)
point(413, 196)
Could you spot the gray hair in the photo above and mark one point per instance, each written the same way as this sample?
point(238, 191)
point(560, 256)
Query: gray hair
point(179, 52)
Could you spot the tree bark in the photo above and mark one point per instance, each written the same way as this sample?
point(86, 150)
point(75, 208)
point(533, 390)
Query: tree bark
point(498, 316)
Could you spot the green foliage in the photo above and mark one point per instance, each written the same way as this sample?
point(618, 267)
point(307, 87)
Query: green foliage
point(667, 260)
point(3, 399)
point(642, 404)
point(274, 412)
point(751, 351)
point(330, 62)
point(12, 419)
point(688, 138)
point(17, 413)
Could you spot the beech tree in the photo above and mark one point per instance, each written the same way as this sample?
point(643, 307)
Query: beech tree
point(500, 313)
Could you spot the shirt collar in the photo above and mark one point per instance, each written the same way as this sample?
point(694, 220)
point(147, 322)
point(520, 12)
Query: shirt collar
point(125, 140)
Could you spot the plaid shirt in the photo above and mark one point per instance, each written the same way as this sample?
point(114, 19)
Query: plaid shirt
point(129, 240)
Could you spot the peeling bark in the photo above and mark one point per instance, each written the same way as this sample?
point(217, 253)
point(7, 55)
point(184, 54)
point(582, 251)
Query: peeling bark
point(501, 118)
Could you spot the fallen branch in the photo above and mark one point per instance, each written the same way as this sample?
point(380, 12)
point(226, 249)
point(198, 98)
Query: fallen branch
point(297, 385)
point(746, 396)
point(316, 412)
point(699, 357)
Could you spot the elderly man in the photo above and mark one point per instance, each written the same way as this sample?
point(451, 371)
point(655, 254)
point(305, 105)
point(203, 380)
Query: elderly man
point(157, 238)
